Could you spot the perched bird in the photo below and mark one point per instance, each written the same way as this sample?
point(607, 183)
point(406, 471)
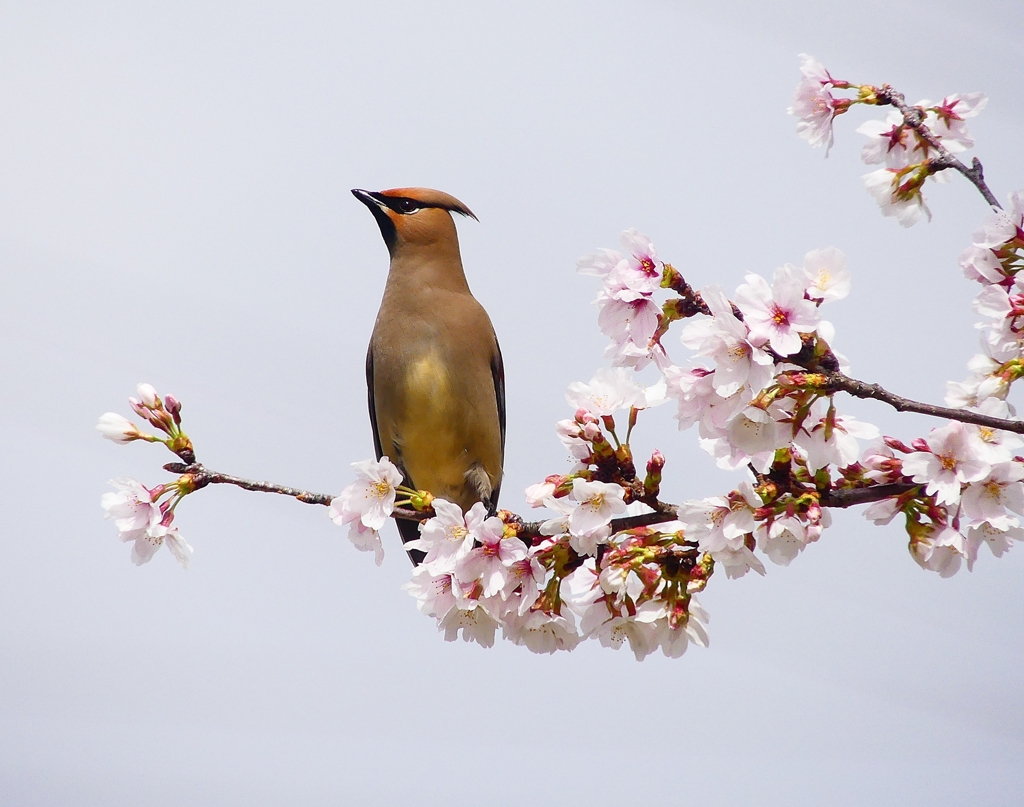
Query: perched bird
point(433, 370)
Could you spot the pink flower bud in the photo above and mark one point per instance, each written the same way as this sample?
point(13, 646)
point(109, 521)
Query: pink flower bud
point(591, 432)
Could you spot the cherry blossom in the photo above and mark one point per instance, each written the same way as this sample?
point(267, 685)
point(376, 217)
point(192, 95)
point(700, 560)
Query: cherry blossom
point(903, 200)
point(782, 539)
point(133, 507)
point(725, 340)
point(998, 540)
point(1002, 226)
point(149, 542)
point(777, 314)
point(448, 537)
point(891, 141)
point(814, 104)
point(832, 441)
point(540, 632)
point(599, 502)
point(988, 499)
point(949, 463)
point(946, 119)
point(826, 276)
point(939, 549)
point(371, 498)
point(473, 622)
point(433, 592)
point(490, 562)
point(611, 389)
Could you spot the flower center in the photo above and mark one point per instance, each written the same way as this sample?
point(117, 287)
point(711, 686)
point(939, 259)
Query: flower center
point(948, 463)
point(596, 501)
point(456, 532)
point(647, 266)
point(779, 316)
point(381, 488)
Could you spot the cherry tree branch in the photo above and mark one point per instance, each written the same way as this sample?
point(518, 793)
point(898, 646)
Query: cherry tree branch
point(202, 476)
point(914, 118)
point(861, 389)
point(663, 511)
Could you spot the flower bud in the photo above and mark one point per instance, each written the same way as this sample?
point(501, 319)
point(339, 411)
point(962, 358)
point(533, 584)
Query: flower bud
point(652, 482)
point(174, 408)
point(117, 428)
point(149, 396)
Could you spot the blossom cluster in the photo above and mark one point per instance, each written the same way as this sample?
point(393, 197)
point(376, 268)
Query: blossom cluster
point(140, 516)
point(994, 260)
point(549, 587)
point(909, 146)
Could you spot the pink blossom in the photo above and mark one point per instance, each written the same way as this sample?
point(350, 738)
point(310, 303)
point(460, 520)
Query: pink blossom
point(726, 340)
point(982, 265)
point(540, 632)
point(1002, 226)
point(950, 462)
point(903, 200)
point(940, 550)
point(448, 537)
point(946, 119)
point(988, 499)
point(472, 621)
point(433, 592)
point(599, 502)
point(610, 390)
point(536, 494)
point(133, 507)
point(891, 141)
point(814, 104)
point(998, 540)
point(371, 498)
point(777, 314)
point(833, 444)
point(825, 275)
point(782, 539)
point(631, 326)
point(490, 562)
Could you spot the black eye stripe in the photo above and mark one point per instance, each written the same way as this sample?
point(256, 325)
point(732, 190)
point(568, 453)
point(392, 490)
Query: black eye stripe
point(402, 205)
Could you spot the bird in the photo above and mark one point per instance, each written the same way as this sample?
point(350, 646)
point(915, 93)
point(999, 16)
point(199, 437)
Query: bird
point(434, 373)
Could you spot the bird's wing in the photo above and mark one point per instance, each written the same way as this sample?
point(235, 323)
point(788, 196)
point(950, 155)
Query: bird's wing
point(408, 530)
point(498, 375)
point(373, 409)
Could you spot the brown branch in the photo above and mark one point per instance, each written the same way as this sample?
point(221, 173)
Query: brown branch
point(201, 477)
point(860, 389)
point(913, 116)
point(663, 512)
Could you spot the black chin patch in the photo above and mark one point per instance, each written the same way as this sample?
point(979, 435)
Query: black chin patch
point(387, 227)
point(384, 222)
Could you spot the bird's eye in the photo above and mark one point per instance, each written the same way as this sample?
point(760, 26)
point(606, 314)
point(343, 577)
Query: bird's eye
point(408, 206)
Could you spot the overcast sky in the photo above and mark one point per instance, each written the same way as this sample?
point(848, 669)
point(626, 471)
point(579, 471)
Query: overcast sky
point(175, 208)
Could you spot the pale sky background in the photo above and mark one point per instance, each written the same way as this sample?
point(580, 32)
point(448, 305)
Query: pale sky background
point(175, 208)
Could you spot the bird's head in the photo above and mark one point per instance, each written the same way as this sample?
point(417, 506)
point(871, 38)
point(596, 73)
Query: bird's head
point(414, 217)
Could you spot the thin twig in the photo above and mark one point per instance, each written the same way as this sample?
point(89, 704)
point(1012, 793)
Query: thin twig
point(861, 389)
point(913, 116)
point(201, 477)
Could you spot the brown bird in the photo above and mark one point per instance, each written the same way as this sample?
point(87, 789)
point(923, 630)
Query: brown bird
point(433, 370)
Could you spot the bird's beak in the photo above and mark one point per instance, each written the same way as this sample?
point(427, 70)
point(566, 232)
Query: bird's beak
point(367, 198)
